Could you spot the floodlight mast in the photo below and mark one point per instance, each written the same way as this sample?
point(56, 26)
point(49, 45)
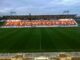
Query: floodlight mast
point(12, 13)
point(30, 16)
point(66, 12)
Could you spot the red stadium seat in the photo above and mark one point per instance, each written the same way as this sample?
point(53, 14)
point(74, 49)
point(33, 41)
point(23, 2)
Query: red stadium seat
point(60, 22)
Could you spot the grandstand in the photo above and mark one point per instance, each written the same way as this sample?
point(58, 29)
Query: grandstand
point(40, 21)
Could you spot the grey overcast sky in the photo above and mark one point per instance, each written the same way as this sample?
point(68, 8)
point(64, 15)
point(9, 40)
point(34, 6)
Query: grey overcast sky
point(37, 7)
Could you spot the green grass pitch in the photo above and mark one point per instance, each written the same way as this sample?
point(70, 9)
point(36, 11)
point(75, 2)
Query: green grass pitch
point(58, 39)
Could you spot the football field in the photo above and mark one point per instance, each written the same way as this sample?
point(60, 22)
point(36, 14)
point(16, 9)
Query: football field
point(55, 39)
